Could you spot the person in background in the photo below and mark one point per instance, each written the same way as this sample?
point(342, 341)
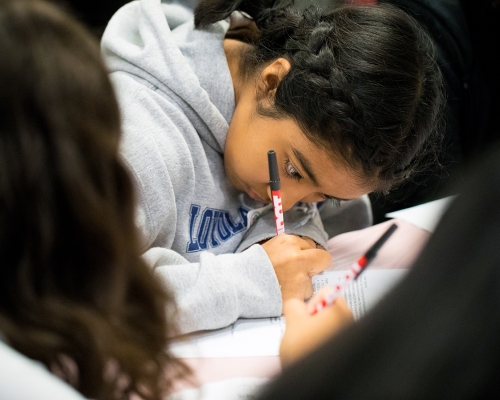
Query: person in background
point(483, 21)
point(434, 336)
point(75, 294)
point(467, 103)
point(350, 99)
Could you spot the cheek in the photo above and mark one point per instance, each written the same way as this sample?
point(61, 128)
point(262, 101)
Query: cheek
point(231, 164)
point(312, 198)
point(250, 165)
point(244, 170)
point(293, 192)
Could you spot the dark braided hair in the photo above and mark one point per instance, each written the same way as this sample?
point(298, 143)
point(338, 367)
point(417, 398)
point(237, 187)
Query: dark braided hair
point(363, 82)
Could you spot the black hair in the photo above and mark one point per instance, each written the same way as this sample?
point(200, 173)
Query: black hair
point(435, 336)
point(363, 82)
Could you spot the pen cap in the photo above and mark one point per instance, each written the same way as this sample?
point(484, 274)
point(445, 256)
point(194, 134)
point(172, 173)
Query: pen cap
point(372, 252)
point(274, 176)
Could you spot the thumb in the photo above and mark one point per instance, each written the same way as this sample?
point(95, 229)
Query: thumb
point(320, 260)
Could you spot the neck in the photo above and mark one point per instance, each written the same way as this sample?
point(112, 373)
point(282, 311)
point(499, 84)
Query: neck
point(234, 49)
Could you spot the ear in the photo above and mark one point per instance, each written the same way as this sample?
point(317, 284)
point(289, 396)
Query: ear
point(270, 78)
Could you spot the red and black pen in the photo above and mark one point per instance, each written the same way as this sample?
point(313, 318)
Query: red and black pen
point(274, 183)
point(355, 270)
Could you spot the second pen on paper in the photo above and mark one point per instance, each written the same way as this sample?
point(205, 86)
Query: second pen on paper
point(356, 268)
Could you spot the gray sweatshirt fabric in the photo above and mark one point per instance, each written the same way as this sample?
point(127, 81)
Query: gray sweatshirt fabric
point(176, 99)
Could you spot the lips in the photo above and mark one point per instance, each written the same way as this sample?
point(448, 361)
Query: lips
point(255, 196)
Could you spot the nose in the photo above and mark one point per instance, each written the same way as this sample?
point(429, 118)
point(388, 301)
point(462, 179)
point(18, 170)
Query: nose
point(288, 197)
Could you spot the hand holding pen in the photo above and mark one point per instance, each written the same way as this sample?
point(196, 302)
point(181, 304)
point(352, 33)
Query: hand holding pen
point(295, 259)
point(306, 328)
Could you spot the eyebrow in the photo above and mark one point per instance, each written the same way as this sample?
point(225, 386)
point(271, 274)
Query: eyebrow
point(306, 166)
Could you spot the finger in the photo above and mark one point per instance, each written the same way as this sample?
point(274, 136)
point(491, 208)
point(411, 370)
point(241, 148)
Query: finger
point(295, 240)
point(293, 308)
point(338, 313)
point(319, 261)
point(306, 243)
point(309, 290)
point(305, 332)
point(319, 298)
point(342, 308)
point(311, 242)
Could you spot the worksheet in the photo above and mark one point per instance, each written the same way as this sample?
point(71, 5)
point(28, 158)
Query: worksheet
point(244, 338)
point(366, 291)
point(262, 337)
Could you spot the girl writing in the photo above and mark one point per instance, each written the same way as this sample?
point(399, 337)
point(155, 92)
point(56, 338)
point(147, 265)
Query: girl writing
point(350, 99)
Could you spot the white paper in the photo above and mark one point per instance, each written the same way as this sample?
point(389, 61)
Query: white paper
point(262, 337)
point(425, 215)
point(244, 338)
point(230, 389)
point(364, 292)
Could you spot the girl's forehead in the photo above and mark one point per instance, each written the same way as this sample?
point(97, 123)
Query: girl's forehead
point(324, 168)
point(327, 170)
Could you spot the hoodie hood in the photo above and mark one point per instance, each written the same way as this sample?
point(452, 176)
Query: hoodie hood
point(189, 66)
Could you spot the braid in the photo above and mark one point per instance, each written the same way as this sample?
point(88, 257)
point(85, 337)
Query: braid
point(363, 81)
point(317, 78)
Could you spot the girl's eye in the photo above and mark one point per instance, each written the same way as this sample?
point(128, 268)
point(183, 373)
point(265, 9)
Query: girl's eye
point(291, 171)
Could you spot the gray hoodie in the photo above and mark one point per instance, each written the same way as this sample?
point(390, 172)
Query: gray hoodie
point(177, 99)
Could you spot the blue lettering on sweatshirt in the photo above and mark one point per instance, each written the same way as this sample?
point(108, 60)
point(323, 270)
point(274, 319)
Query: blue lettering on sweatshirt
point(212, 227)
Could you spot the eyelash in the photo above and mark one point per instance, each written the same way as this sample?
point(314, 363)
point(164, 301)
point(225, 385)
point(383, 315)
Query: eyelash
point(294, 174)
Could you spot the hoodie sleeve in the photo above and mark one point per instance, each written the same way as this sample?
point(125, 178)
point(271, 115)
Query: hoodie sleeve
point(146, 157)
point(302, 219)
point(219, 289)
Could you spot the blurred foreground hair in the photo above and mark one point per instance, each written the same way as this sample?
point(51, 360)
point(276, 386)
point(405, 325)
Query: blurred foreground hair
point(74, 292)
